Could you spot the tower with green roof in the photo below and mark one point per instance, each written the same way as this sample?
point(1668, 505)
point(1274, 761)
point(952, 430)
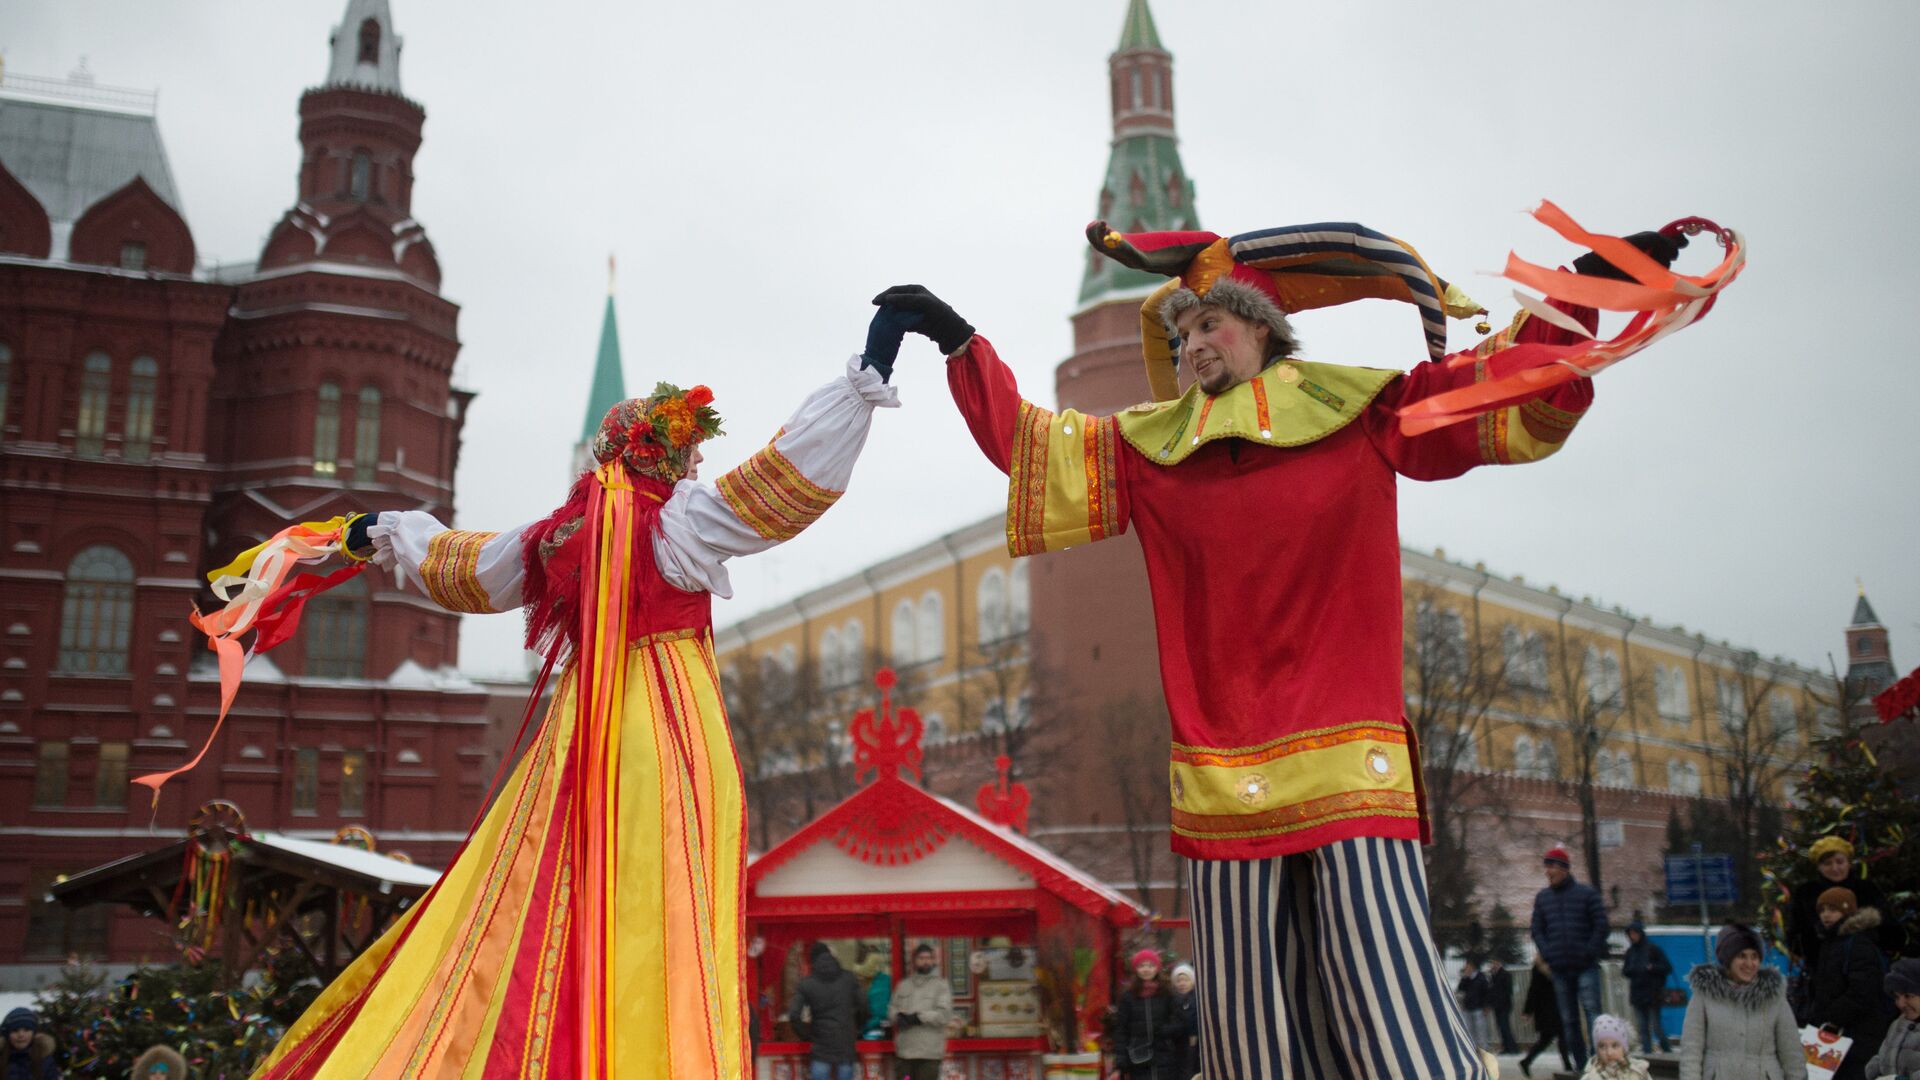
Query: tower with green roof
point(1145, 188)
point(1097, 598)
point(609, 384)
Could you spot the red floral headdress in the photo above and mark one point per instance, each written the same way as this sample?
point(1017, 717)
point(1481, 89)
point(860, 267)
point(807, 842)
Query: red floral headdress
point(655, 435)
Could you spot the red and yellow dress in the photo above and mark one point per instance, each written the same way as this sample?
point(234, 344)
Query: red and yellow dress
point(1268, 519)
point(591, 925)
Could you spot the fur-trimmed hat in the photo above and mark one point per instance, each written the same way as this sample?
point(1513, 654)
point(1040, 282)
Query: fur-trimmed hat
point(1840, 899)
point(1828, 845)
point(1240, 298)
point(1608, 1026)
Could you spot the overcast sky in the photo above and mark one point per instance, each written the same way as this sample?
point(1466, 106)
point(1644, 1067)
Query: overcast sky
point(763, 169)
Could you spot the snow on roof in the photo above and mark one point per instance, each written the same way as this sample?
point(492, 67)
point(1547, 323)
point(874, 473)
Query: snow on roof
point(369, 863)
point(71, 155)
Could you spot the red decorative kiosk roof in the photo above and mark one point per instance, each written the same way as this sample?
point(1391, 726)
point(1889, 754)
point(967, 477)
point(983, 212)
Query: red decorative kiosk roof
point(856, 856)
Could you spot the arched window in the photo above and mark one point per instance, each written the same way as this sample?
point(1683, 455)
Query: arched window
point(991, 597)
point(1546, 759)
point(370, 42)
point(829, 663)
point(143, 378)
point(326, 432)
point(930, 633)
point(96, 387)
point(1523, 755)
point(903, 649)
point(853, 650)
point(6, 383)
point(366, 436)
point(1683, 777)
point(1786, 726)
point(1136, 88)
point(96, 615)
point(1670, 690)
point(336, 631)
point(360, 176)
point(1019, 601)
point(789, 659)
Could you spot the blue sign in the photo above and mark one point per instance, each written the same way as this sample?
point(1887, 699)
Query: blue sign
point(1693, 879)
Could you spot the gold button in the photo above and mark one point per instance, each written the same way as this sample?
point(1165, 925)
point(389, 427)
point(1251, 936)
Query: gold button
point(1252, 789)
point(1380, 767)
point(1287, 373)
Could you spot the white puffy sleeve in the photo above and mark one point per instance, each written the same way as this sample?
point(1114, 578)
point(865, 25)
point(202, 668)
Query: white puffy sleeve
point(473, 572)
point(783, 488)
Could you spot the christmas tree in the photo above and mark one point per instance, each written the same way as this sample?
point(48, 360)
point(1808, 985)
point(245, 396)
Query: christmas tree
point(1855, 790)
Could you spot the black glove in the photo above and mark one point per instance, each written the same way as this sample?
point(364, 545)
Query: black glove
point(906, 1020)
point(357, 538)
point(889, 325)
point(937, 321)
point(1659, 247)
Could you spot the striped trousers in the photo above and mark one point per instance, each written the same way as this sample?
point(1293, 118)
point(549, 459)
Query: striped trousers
point(1321, 966)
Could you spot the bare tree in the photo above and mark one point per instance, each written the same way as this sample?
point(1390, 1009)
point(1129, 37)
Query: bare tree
point(1129, 738)
point(1592, 699)
point(1456, 672)
point(1760, 743)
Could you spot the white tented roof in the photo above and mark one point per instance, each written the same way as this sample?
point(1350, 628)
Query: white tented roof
point(372, 864)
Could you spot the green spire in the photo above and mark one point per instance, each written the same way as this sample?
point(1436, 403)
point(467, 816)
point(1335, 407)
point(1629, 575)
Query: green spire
point(1146, 189)
point(609, 386)
point(1139, 31)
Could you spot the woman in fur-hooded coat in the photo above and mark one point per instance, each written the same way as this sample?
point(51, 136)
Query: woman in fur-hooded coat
point(1739, 1030)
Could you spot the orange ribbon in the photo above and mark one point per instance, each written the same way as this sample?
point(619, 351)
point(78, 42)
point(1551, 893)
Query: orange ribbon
point(1663, 302)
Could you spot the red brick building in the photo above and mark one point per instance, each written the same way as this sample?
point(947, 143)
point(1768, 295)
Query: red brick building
point(156, 417)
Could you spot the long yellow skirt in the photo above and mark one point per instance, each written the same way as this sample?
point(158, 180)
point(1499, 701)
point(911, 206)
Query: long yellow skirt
point(495, 972)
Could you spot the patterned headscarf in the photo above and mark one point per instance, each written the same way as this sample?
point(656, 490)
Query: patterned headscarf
point(655, 435)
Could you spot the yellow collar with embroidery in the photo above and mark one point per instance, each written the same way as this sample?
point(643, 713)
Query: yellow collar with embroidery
point(1291, 403)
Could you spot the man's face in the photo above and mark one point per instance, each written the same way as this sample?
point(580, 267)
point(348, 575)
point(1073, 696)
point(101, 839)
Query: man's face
point(1223, 349)
point(923, 963)
point(20, 1038)
point(1556, 873)
point(1835, 866)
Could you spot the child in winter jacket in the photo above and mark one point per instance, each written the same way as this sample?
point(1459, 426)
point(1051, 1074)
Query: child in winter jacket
point(1612, 1037)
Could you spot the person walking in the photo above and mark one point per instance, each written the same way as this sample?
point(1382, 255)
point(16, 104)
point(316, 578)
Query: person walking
point(29, 1051)
point(919, 1011)
point(1570, 930)
point(1848, 987)
point(828, 1011)
point(1543, 1006)
point(1184, 982)
point(1149, 1031)
point(1739, 1026)
point(1899, 1053)
point(1500, 1003)
point(1472, 993)
point(1646, 968)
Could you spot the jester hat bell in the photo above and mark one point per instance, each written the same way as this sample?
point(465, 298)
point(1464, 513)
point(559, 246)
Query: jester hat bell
point(1297, 267)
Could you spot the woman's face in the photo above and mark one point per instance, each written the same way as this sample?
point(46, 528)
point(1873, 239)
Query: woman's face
point(1745, 966)
point(1908, 1004)
point(1147, 970)
point(693, 473)
point(1835, 866)
point(1183, 981)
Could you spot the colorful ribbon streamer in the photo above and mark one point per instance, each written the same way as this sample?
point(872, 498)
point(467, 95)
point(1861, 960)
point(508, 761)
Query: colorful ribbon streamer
point(1663, 302)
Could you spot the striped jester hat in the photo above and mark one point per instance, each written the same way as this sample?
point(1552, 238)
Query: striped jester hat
point(1298, 267)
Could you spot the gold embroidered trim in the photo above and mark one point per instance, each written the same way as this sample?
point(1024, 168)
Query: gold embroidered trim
point(1297, 816)
point(1027, 481)
point(1398, 730)
point(451, 571)
point(773, 497)
point(1319, 740)
point(1103, 519)
point(1546, 421)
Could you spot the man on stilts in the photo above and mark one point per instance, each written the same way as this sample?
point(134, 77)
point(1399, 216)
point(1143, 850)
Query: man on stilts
point(1264, 499)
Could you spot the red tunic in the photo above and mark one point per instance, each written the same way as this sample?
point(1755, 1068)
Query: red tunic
point(1275, 574)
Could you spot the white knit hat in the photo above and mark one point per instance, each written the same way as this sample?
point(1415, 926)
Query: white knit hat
point(1606, 1026)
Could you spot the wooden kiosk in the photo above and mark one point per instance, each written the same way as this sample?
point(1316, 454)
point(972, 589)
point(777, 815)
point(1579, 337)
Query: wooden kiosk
point(1027, 941)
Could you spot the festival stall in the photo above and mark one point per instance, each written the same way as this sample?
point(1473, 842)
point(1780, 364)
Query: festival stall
point(1026, 940)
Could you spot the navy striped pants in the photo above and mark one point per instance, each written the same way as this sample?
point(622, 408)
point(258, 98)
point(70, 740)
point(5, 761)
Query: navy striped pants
point(1321, 965)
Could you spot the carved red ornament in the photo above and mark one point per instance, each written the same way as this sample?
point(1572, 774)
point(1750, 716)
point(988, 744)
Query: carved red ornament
point(1004, 801)
point(893, 825)
point(887, 741)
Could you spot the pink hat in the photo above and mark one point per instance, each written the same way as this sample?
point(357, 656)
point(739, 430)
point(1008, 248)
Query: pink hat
point(1143, 956)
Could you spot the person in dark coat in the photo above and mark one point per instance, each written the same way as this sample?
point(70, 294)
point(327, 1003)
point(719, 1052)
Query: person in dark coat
point(829, 1011)
point(1646, 967)
point(29, 1052)
point(1149, 1032)
point(1848, 987)
point(1183, 986)
point(1833, 863)
point(1543, 1006)
point(1500, 1003)
point(1472, 992)
point(1570, 930)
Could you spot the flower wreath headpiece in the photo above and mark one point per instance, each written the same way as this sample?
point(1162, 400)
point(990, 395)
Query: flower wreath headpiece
point(655, 435)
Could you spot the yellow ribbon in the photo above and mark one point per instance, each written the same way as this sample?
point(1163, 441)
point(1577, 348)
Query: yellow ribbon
point(243, 562)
